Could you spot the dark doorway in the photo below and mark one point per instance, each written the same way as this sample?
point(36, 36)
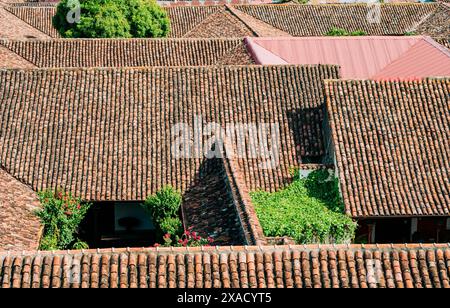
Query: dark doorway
point(117, 224)
point(392, 230)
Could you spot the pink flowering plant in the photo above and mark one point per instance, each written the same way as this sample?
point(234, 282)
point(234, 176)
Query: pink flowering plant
point(189, 238)
point(61, 215)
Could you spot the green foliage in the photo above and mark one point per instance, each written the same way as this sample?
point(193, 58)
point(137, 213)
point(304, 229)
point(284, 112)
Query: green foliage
point(164, 207)
point(60, 215)
point(171, 225)
point(343, 32)
point(410, 33)
point(308, 210)
point(112, 19)
point(323, 186)
point(165, 203)
point(79, 244)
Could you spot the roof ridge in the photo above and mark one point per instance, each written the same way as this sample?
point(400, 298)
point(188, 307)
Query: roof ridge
point(146, 68)
point(436, 45)
point(150, 39)
point(250, 42)
point(250, 21)
point(289, 4)
point(234, 249)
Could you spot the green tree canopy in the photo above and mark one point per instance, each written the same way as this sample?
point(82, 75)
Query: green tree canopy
point(111, 19)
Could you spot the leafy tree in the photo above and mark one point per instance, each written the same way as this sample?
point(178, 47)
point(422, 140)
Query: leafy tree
point(308, 210)
point(111, 19)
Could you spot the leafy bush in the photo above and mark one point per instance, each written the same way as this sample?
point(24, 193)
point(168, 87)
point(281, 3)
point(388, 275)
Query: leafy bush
point(308, 210)
point(60, 215)
point(112, 18)
point(165, 203)
point(343, 32)
point(164, 207)
point(171, 225)
point(189, 238)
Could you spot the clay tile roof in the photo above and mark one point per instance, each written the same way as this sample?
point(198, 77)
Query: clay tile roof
point(105, 134)
point(365, 57)
point(317, 20)
point(354, 266)
point(37, 15)
point(392, 145)
point(443, 41)
point(186, 21)
point(436, 24)
point(9, 59)
point(239, 20)
point(126, 52)
point(19, 227)
point(15, 28)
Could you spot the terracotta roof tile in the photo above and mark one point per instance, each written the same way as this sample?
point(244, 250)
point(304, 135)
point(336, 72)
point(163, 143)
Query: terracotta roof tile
point(436, 24)
point(9, 59)
point(88, 148)
point(317, 20)
point(19, 228)
point(13, 27)
point(275, 20)
point(391, 142)
point(38, 16)
point(355, 266)
point(443, 41)
point(124, 52)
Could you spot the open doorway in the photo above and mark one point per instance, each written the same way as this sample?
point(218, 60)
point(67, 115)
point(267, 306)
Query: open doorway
point(117, 224)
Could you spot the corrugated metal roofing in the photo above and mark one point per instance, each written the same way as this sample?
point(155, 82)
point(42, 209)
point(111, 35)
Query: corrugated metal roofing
point(359, 57)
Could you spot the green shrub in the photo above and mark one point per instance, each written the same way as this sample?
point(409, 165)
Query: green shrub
point(165, 203)
point(171, 225)
point(61, 214)
point(112, 18)
point(343, 32)
point(164, 207)
point(308, 210)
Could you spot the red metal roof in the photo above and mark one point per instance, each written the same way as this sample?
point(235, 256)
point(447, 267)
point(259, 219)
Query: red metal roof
point(372, 57)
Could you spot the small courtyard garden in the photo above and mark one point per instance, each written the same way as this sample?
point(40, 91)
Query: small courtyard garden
point(309, 210)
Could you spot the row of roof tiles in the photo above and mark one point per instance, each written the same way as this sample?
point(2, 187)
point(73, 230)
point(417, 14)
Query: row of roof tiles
point(270, 20)
point(236, 267)
point(373, 57)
